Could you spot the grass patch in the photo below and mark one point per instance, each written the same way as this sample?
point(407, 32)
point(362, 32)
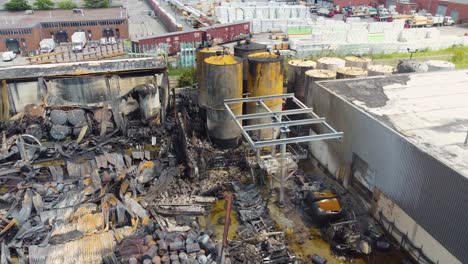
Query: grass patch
point(179, 71)
point(187, 76)
point(424, 53)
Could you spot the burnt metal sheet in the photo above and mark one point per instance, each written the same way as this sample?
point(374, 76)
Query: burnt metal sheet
point(73, 169)
point(82, 68)
point(88, 249)
point(57, 173)
point(101, 161)
point(62, 214)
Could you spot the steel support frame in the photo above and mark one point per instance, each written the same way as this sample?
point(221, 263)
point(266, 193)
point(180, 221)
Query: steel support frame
point(302, 109)
point(276, 122)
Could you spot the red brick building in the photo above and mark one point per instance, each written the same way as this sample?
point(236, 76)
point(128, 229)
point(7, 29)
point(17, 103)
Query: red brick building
point(22, 32)
point(457, 9)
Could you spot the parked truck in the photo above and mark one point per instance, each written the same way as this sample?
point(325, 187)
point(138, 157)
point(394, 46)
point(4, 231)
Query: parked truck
point(420, 21)
point(361, 12)
point(448, 21)
point(324, 11)
point(47, 45)
point(429, 21)
point(383, 15)
point(78, 41)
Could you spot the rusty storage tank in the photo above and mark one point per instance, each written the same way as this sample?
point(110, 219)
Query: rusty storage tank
point(223, 81)
point(201, 55)
point(296, 76)
point(379, 70)
point(265, 77)
point(330, 63)
point(350, 72)
point(243, 50)
point(358, 61)
point(312, 76)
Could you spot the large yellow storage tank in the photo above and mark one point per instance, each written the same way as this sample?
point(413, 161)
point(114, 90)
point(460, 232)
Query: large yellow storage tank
point(243, 50)
point(223, 76)
point(201, 55)
point(265, 77)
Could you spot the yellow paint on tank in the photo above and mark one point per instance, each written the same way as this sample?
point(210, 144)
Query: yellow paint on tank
point(222, 60)
point(265, 76)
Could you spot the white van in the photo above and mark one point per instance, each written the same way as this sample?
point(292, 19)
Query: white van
point(8, 56)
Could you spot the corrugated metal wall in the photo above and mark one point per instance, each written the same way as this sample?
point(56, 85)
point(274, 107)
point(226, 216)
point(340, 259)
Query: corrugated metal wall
point(430, 192)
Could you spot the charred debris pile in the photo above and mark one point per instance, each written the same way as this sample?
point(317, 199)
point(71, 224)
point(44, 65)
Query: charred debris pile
point(88, 184)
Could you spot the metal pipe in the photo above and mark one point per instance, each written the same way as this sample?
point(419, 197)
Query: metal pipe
point(284, 134)
point(302, 105)
point(285, 123)
point(239, 125)
point(274, 142)
point(228, 198)
point(258, 98)
point(273, 114)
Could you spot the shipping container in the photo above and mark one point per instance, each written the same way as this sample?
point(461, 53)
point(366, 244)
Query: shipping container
point(226, 33)
point(171, 41)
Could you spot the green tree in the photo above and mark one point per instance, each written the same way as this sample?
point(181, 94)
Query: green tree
point(96, 3)
point(188, 77)
point(17, 5)
point(67, 4)
point(43, 4)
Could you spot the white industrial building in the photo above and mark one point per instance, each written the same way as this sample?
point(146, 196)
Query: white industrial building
point(405, 151)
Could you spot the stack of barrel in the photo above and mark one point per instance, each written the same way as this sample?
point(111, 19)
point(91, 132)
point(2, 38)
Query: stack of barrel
point(224, 76)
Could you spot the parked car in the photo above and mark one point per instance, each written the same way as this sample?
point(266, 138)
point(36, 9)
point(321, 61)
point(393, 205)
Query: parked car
point(103, 41)
point(111, 41)
point(94, 44)
point(8, 56)
point(108, 41)
point(313, 9)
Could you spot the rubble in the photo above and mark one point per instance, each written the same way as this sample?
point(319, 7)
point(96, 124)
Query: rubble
point(259, 240)
point(128, 181)
point(81, 188)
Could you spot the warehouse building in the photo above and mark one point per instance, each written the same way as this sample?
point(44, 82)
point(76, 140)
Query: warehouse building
point(457, 9)
point(404, 150)
point(22, 31)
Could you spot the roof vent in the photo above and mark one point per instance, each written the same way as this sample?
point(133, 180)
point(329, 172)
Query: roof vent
point(78, 11)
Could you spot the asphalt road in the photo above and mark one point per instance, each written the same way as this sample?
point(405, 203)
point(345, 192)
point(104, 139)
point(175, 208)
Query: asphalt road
point(140, 23)
point(179, 18)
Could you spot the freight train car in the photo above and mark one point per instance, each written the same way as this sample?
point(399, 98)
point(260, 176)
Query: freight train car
point(225, 33)
point(170, 41)
point(218, 34)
